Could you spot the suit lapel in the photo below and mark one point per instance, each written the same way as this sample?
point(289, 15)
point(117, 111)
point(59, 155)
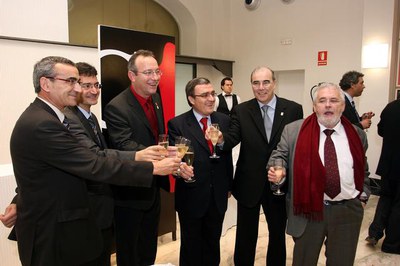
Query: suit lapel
point(159, 113)
point(137, 108)
point(278, 117)
point(255, 113)
point(196, 131)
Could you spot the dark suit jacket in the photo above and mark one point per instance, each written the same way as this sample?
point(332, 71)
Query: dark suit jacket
point(193, 198)
point(129, 130)
point(55, 225)
point(100, 194)
point(388, 129)
point(247, 127)
point(350, 113)
point(286, 149)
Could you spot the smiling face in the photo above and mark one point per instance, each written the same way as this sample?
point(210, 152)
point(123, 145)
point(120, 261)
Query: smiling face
point(203, 100)
point(263, 85)
point(90, 94)
point(145, 84)
point(57, 90)
point(329, 105)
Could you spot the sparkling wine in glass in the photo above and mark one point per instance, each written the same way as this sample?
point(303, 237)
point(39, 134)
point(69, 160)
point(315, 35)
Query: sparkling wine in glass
point(279, 172)
point(163, 141)
point(214, 131)
point(189, 158)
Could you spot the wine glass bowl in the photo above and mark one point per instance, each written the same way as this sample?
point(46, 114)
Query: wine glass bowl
point(279, 172)
point(189, 158)
point(214, 132)
point(183, 145)
point(163, 141)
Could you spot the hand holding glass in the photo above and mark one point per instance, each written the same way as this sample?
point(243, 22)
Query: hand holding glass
point(189, 158)
point(214, 132)
point(279, 173)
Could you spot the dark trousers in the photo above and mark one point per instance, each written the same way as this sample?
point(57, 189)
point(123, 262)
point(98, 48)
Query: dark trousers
point(104, 258)
point(200, 238)
point(389, 210)
point(382, 211)
point(339, 230)
point(247, 231)
point(136, 235)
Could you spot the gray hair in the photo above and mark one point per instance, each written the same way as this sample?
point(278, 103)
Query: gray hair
point(324, 85)
point(45, 68)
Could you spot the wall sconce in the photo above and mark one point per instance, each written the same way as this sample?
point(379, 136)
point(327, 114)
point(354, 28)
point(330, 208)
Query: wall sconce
point(375, 55)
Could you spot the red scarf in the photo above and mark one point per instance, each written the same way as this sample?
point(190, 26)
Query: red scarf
point(309, 173)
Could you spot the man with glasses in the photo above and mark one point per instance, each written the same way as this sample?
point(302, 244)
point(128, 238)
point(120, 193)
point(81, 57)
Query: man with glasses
point(201, 204)
point(85, 126)
point(55, 224)
point(134, 120)
point(257, 124)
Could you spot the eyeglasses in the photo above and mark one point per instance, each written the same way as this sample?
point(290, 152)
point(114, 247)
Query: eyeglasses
point(206, 94)
point(88, 86)
point(264, 83)
point(71, 81)
point(149, 72)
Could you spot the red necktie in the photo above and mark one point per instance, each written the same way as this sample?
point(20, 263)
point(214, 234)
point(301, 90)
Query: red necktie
point(204, 123)
point(332, 186)
point(151, 116)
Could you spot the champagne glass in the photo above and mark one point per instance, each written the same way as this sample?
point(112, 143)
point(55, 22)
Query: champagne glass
point(214, 131)
point(189, 158)
point(279, 171)
point(163, 141)
point(183, 145)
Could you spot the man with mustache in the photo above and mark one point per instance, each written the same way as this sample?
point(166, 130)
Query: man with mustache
point(328, 180)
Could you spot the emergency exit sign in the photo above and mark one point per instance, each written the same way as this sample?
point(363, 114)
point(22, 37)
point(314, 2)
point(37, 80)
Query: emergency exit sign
point(322, 58)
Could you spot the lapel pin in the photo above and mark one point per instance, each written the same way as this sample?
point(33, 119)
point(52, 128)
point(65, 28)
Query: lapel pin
point(282, 113)
point(157, 105)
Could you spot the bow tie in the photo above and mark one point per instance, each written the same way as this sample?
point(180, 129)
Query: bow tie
point(228, 95)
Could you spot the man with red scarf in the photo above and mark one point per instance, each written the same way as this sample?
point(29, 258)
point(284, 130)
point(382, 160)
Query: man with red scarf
point(314, 217)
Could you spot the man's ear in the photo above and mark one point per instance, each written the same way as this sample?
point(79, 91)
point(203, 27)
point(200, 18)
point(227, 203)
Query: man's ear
point(44, 84)
point(131, 75)
point(191, 100)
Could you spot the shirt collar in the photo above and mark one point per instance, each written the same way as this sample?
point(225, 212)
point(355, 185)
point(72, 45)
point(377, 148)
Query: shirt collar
point(348, 96)
point(84, 112)
point(59, 114)
point(199, 116)
point(141, 99)
point(271, 103)
point(338, 128)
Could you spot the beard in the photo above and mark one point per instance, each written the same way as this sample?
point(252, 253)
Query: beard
point(328, 122)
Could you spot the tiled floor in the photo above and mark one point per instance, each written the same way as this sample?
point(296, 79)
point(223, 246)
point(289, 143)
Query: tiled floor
point(168, 250)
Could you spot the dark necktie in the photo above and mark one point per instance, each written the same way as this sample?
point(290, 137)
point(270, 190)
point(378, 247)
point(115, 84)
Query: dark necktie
point(332, 186)
point(65, 122)
point(94, 128)
point(205, 126)
point(355, 110)
point(267, 122)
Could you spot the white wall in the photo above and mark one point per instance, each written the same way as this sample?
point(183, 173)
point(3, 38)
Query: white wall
point(227, 30)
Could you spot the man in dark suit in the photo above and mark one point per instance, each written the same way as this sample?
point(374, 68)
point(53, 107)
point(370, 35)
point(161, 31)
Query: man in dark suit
point(259, 130)
point(85, 126)
point(227, 100)
point(55, 225)
point(352, 83)
point(328, 180)
point(201, 205)
point(134, 120)
point(387, 215)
